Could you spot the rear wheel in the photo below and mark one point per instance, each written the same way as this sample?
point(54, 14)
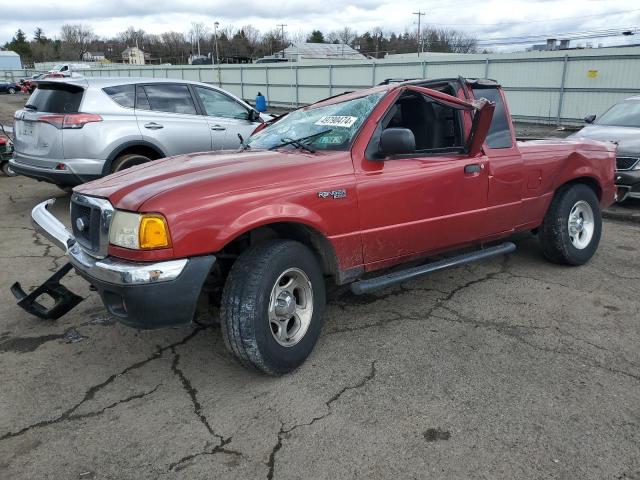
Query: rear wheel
point(12, 90)
point(127, 161)
point(6, 169)
point(273, 306)
point(570, 232)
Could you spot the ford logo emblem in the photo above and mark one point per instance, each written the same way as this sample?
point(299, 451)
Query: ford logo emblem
point(80, 225)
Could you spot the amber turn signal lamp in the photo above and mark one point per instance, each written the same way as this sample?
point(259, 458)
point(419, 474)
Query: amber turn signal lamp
point(153, 232)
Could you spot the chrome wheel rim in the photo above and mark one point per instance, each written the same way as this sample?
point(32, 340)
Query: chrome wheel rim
point(581, 225)
point(290, 307)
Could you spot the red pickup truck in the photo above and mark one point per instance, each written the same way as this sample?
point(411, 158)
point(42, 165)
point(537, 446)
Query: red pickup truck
point(335, 191)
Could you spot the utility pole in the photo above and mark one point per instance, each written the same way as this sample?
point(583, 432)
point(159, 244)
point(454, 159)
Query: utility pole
point(420, 15)
point(215, 40)
point(282, 25)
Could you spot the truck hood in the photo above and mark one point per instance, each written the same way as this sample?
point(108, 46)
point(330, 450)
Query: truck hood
point(218, 173)
point(627, 138)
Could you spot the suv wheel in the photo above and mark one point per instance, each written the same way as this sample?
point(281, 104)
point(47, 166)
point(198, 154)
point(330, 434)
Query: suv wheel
point(6, 169)
point(127, 161)
point(570, 232)
point(273, 306)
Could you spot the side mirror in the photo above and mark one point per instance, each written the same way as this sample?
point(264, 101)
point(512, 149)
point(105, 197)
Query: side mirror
point(253, 115)
point(394, 141)
point(589, 118)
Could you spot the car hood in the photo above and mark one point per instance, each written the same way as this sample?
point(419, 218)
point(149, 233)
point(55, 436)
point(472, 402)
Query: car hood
point(627, 138)
point(212, 173)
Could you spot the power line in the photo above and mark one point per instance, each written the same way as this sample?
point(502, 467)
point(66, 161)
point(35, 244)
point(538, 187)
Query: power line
point(498, 24)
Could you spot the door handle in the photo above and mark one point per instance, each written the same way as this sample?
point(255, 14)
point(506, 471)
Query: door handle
point(473, 168)
point(153, 126)
point(218, 127)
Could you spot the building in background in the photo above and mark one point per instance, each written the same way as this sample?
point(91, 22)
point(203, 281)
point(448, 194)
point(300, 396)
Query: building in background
point(314, 51)
point(9, 60)
point(133, 56)
point(93, 57)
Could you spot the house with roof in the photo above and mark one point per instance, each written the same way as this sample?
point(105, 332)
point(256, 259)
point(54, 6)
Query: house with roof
point(93, 56)
point(133, 56)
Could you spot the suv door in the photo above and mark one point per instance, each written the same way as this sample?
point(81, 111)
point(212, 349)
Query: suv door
point(226, 118)
point(168, 118)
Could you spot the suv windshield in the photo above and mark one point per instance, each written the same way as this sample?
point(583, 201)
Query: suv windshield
point(341, 121)
point(625, 114)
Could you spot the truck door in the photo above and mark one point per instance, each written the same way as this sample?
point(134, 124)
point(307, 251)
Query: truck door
point(505, 166)
point(430, 199)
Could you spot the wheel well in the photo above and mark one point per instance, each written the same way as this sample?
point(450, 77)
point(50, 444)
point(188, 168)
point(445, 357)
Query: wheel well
point(304, 234)
point(144, 150)
point(590, 182)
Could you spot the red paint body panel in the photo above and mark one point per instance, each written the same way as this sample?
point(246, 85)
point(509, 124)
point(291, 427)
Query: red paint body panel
point(394, 211)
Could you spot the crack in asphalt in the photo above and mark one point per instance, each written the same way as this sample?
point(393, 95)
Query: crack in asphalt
point(505, 328)
point(513, 331)
point(91, 392)
point(177, 466)
point(192, 392)
point(284, 432)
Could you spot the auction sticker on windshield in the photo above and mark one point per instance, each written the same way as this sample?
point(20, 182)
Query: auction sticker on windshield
point(337, 121)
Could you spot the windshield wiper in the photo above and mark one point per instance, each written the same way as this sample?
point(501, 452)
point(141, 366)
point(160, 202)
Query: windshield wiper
point(31, 107)
point(300, 142)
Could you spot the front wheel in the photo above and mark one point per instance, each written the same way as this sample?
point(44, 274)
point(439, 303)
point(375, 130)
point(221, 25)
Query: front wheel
point(12, 91)
point(272, 306)
point(571, 230)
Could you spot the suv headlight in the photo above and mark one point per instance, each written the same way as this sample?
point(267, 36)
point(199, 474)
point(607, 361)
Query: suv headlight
point(139, 231)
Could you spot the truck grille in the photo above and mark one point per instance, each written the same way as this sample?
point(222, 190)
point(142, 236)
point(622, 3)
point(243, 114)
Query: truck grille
point(90, 222)
point(626, 163)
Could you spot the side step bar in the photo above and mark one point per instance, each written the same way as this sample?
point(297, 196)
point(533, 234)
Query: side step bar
point(371, 285)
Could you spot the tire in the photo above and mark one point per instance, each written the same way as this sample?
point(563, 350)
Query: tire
point(6, 169)
point(258, 334)
point(12, 91)
point(572, 244)
point(126, 161)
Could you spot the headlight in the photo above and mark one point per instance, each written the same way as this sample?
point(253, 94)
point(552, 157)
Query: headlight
point(139, 231)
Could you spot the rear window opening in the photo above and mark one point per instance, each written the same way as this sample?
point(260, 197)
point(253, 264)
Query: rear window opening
point(56, 98)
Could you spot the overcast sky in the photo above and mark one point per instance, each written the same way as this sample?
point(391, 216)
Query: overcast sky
point(486, 20)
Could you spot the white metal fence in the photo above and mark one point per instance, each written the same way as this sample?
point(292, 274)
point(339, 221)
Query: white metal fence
point(548, 87)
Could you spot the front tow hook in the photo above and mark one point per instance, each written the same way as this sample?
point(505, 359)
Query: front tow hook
point(64, 299)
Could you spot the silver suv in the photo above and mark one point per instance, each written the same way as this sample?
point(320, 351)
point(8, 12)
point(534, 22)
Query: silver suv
point(75, 130)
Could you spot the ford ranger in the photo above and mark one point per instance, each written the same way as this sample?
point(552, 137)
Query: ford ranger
point(338, 191)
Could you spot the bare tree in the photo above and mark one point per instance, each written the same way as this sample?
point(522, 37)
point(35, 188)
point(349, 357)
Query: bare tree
point(448, 40)
point(347, 35)
point(132, 37)
point(199, 31)
point(76, 39)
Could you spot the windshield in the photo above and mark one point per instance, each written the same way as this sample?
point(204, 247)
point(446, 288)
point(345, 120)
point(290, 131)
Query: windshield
point(339, 121)
point(626, 114)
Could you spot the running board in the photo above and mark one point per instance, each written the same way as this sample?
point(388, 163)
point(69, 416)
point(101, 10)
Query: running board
point(371, 285)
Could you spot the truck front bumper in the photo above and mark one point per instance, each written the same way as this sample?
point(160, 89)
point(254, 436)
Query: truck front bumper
point(140, 294)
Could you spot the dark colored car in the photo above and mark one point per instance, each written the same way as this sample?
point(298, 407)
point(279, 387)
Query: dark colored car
point(9, 87)
point(620, 125)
